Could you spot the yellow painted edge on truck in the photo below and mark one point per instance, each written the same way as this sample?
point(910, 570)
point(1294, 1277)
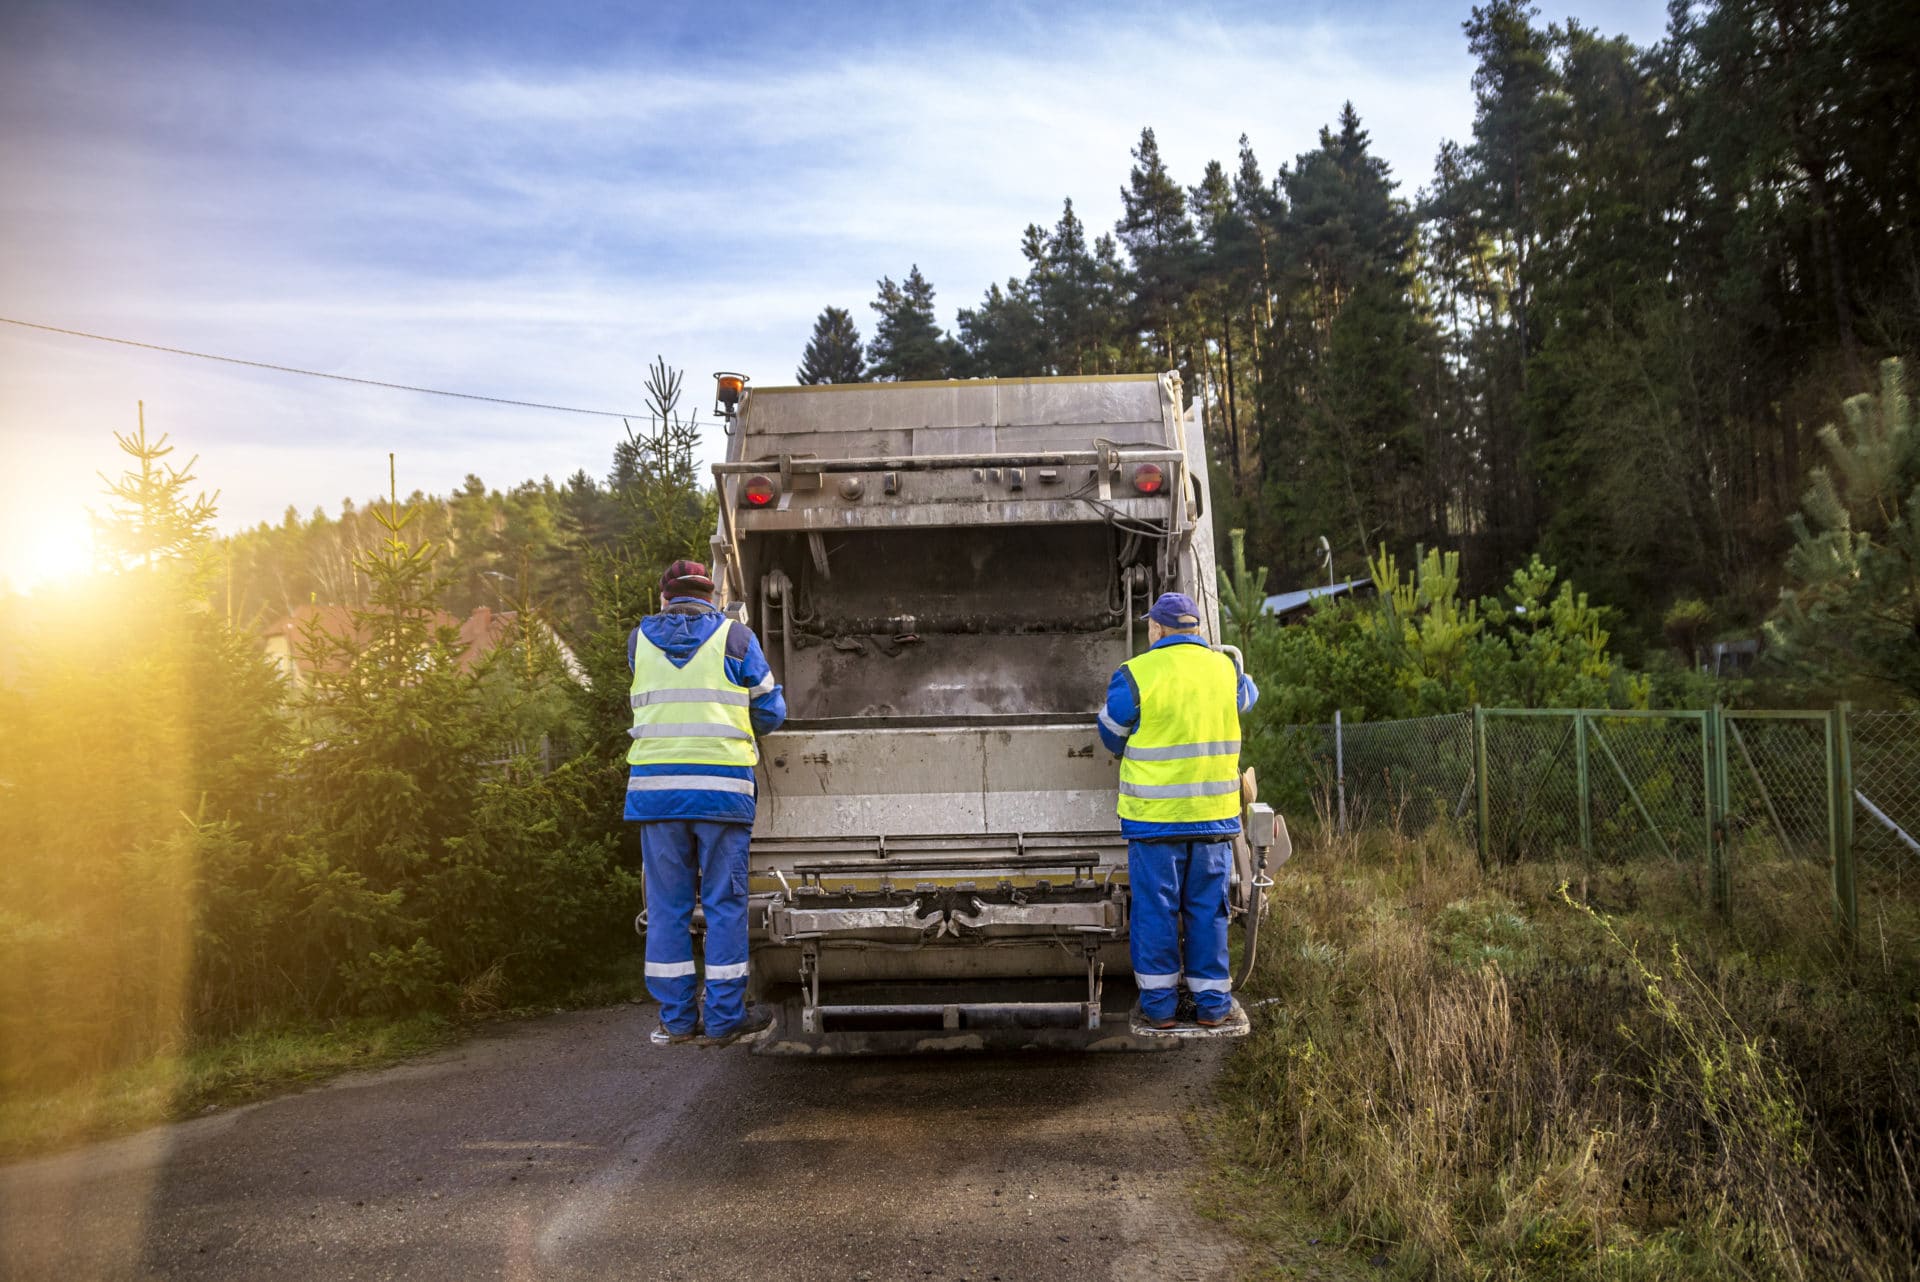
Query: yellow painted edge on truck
point(958, 382)
point(757, 883)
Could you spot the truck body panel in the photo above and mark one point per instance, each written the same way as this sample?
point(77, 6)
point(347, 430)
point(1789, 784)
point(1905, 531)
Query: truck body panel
point(944, 576)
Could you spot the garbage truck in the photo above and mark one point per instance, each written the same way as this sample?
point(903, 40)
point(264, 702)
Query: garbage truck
point(943, 576)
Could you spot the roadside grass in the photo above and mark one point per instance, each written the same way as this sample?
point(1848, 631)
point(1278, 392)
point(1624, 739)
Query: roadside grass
point(223, 1071)
point(1468, 1074)
point(215, 1072)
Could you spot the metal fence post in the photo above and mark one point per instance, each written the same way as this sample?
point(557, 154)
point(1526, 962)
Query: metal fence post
point(1719, 803)
point(1340, 770)
point(1585, 782)
point(1480, 782)
point(1846, 902)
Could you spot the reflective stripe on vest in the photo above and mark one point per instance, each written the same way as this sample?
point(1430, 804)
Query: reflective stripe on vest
point(689, 716)
point(690, 783)
point(731, 698)
point(1183, 763)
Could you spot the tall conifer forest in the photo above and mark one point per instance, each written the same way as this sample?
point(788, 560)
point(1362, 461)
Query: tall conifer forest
point(1604, 328)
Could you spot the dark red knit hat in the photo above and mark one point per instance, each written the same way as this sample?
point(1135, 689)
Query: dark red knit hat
point(686, 578)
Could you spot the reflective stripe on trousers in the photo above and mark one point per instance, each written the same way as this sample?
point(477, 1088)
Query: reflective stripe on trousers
point(1178, 924)
point(682, 858)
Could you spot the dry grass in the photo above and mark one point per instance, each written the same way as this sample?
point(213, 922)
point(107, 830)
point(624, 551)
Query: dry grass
point(1478, 1075)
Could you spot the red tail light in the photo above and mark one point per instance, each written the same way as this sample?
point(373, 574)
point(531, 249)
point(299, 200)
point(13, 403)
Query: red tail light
point(759, 491)
point(1148, 478)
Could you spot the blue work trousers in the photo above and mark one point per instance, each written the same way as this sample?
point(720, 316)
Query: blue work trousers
point(1176, 885)
point(679, 855)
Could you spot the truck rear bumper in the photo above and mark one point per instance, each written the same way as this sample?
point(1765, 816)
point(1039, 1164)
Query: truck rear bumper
point(910, 1019)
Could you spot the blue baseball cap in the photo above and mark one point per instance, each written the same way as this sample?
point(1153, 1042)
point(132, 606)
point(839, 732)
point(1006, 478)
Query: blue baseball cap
point(1175, 610)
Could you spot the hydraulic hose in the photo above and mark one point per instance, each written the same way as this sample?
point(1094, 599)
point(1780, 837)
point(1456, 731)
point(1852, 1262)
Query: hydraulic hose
point(1255, 907)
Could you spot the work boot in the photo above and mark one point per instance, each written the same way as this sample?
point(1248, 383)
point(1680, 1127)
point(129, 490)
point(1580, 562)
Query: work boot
point(757, 1020)
point(662, 1036)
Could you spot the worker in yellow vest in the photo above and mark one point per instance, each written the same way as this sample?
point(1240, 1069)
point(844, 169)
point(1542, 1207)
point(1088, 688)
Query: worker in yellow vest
point(1172, 716)
point(701, 691)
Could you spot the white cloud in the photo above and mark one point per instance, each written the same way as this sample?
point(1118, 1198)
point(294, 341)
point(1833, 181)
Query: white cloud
point(540, 232)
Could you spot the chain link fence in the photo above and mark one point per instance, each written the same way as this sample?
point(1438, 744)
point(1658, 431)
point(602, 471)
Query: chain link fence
point(1709, 789)
point(1886, 781)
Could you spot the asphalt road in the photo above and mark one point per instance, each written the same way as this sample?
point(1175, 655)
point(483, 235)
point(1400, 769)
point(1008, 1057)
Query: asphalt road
point(570, 1147)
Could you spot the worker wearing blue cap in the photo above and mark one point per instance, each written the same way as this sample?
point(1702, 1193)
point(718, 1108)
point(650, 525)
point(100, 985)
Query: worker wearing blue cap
point(702, 691)
point(1173, 718)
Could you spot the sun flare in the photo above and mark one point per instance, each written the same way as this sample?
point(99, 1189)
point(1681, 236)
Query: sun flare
point(47, 548)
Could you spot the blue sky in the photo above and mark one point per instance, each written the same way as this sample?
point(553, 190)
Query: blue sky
point(488, 198)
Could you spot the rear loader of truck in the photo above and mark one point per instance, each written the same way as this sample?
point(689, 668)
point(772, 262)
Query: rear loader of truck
point(943, 576)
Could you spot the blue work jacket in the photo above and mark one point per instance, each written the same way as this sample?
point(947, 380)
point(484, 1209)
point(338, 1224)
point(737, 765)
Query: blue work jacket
point(1121, 717)
point(679, 631)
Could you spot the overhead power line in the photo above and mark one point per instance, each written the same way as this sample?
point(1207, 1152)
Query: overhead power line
point(314, 373)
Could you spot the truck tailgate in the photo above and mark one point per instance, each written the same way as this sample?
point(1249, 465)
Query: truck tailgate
point(871, 778)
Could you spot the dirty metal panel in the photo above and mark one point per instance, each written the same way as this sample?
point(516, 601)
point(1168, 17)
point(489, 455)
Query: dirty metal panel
point(1034, 438)
point(1109, 404)
point(847, 783)
point(871, 408)
point(1038, 810)
point(839, 763)
point(876, 813)
point(876, 407)
point(870, 784)
point(972, 439)
point(830, 443)
point(1067, 756)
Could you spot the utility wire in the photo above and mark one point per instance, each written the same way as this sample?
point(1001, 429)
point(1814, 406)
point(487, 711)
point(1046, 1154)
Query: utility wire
point(314, 373)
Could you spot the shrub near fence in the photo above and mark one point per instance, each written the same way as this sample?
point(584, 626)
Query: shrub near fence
point(1704, 788)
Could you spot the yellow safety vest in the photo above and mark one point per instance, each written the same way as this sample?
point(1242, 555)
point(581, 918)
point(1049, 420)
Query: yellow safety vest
point(1183, 764)
point(689, 716)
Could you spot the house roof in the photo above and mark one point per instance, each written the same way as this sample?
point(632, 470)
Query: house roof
point(1282, 604)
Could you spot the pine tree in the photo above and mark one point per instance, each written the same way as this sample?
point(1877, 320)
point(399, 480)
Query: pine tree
point(907, 342)
point(1002, 337)
point(666, 514)
point(1852, 614)
point(834, 353)
point(1243, 593)
point(1160, 239)
point(153, 520)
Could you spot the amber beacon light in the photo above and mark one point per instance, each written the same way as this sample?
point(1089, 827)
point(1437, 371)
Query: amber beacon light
point(729, 390)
